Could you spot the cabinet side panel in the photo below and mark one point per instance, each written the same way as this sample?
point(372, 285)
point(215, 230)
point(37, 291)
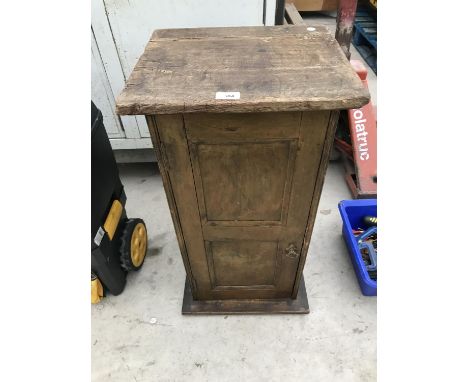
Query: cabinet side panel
point(162, 164)
point(176, 161)
point(308, 117)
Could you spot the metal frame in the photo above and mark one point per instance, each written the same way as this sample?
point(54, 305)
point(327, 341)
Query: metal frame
point(360, 174)
point(344, 24)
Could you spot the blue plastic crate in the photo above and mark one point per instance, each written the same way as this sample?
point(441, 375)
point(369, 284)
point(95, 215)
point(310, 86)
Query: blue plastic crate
point(352, 212)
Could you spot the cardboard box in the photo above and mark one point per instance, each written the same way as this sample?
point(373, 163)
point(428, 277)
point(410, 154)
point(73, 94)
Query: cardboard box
point(315, 5)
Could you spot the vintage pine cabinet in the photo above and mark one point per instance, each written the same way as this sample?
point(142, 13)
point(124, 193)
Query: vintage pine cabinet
point(242, 121)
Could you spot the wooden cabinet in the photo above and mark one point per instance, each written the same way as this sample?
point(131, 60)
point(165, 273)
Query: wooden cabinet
point(243, 176)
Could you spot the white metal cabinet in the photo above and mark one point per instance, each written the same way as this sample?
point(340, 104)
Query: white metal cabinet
point(102, 95)
point(120, 30)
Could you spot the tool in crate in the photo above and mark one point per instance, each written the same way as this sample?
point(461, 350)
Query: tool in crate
point(367, 244)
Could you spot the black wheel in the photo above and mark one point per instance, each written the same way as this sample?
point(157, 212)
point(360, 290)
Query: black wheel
point(134, 245)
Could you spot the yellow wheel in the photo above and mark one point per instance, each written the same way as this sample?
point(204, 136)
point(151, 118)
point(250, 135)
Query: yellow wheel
point(138, 246)
point(134, 245)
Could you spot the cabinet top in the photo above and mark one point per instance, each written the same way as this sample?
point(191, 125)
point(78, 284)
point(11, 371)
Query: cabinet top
point(242, 69)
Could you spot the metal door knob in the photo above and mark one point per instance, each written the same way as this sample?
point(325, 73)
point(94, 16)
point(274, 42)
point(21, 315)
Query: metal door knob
point(292, 252)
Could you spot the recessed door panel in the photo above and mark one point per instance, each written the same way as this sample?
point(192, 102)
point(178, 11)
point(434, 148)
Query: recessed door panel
point(244, 181)
point(242, 264)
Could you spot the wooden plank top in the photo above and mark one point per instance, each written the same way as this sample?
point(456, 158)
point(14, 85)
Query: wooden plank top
point(276, 68)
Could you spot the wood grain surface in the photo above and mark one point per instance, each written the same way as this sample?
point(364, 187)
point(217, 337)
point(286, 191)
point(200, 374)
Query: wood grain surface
point(279, 68)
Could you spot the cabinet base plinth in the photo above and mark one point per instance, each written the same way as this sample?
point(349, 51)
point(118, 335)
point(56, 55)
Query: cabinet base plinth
point(300, 305)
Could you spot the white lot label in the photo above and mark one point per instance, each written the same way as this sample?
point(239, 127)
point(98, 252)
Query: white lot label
point(227, 95)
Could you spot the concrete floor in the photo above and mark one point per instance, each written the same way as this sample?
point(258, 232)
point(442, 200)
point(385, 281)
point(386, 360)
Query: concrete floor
point(142, 336)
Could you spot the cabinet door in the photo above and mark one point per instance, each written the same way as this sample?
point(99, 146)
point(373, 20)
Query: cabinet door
point(243, 186)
